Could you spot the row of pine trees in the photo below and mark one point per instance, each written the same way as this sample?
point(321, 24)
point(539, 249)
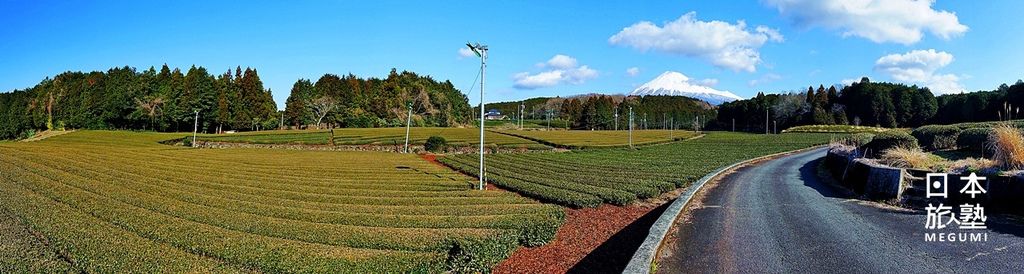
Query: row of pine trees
point(124, 98)
point(171, 100)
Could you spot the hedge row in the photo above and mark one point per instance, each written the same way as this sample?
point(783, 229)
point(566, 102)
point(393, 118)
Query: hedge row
point(890, 139)
point(935, 137)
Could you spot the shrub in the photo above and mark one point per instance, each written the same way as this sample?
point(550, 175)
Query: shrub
point(28, 134)
point(478, 255)
point(1007, 144)
point(435, 144)
point(186, 141)
point(860, 139)
point(973, 139)
point(907, 158)
point(936, 136)
point(834, 129)
point(541, 230)
point(889, 140)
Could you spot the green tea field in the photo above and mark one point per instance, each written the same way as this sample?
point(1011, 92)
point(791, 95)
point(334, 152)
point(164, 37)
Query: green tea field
point(620, 176)
point(376, 136)
point(114, 201)
point(599, 138)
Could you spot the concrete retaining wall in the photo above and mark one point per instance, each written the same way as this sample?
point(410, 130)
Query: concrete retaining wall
point(864, 176)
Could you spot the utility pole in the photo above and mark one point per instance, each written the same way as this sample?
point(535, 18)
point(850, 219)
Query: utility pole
point(481, 51)
point(522, 107)
point(671, 126)
point(733, 124)
point(698, 124)
point(775, 126)
point(616, 118)
point(195, 129)
point(630, 127)
point(408, 122)
point(282, 120)
point(766, 121)
point(549, 118)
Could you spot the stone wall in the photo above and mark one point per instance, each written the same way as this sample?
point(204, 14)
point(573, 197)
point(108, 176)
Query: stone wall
point(1005, 193)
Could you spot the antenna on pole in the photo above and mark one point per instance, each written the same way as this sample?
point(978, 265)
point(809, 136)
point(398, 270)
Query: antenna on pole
point(481, 51)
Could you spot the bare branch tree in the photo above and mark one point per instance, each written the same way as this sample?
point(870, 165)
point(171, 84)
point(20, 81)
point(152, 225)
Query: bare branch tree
point(150, 106)
point(423, 100)
point(320, 107)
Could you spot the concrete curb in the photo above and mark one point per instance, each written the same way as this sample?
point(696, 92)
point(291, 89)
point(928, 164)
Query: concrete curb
point(648, 251)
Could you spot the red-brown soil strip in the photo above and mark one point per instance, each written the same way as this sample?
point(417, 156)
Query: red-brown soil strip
point(592, 240)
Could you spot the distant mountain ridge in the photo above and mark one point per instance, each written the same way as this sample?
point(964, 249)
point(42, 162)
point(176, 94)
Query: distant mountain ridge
point(677, 84)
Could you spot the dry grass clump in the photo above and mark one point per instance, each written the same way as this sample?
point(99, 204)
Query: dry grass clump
point(970, 164)
point(907, 158)
point(1008, 144)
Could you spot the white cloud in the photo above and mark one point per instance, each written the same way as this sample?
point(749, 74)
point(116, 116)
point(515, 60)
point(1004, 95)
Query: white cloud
point(918, 67)
point(766, 78)
point(465, 52)
point(710, 82)
point(899, 21)
point(850, 81)
point(723, 44)
point(773, 34)
point(561, 69)
point(562, 62)
point(633, 71)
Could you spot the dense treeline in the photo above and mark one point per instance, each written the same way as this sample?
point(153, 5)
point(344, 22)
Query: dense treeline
point(597, 111)
point(1003, 103)
point(871, 104)
point(861, 103)
point(350, 101)
point(533, 108)
point(123, 98)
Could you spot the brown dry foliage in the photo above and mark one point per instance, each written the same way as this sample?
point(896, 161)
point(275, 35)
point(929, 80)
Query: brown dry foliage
point(907, 158)
point(1008, 144)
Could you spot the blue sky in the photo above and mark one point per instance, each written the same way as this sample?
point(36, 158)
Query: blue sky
point(781, 45)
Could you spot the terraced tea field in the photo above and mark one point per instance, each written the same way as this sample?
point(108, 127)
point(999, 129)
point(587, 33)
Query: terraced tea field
point(305, 137)
point(377, 136)
point(599, 138)
point(119, 202)
point(620, 176)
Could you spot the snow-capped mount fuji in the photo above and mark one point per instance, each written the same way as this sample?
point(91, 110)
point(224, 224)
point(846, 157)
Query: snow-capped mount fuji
point(676, 84)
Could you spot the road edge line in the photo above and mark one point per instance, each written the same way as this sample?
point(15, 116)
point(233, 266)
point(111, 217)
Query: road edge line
point(648, 250)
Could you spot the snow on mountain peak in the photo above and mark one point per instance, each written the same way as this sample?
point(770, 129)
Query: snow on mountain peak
point(677, 84)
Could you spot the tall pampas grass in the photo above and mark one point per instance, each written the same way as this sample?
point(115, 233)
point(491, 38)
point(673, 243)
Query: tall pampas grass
point(1008, 144)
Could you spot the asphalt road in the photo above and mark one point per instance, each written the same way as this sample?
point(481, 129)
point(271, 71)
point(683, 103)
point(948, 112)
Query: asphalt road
point(779, 217)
